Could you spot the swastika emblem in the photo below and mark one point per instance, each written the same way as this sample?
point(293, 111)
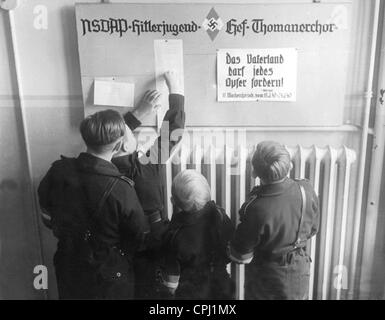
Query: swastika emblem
point(212, 24)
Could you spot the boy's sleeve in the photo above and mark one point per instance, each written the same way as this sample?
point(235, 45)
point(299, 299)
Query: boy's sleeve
point(175, 115)
point(315, 214)
point(170, 275)
point(228, 228)
point(245, 239)
point(227, 234)
point(312, 215)
point(170, 271)
point(132, 224)
point(131, 121)
point(158, 228)
point(171, 131)
point(126, 164)
point(44, 199)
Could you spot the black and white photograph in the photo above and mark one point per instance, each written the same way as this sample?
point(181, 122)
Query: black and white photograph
point(192, 155)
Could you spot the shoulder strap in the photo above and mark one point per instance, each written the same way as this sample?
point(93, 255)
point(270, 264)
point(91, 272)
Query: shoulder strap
point(298, 242)
point(127, 180)
point(303, 211)
point(111, 183)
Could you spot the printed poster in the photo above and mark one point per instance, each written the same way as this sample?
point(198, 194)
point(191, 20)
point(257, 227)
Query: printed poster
point(257, 74)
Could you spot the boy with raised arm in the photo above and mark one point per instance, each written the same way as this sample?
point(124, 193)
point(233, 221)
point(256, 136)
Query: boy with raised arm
point(146, 171)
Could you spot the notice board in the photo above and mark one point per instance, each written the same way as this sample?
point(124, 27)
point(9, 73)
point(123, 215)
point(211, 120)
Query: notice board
point(118, 42)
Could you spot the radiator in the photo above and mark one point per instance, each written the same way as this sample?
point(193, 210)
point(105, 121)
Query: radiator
point(329, 171)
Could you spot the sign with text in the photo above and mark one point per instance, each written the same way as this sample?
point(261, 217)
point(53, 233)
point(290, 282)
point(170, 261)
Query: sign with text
point(136, 42)
point(257, 74)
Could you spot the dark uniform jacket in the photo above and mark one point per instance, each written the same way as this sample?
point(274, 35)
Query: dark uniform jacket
point(146, 170)
point(269, 227)
point(195, 254)
point(96, 240)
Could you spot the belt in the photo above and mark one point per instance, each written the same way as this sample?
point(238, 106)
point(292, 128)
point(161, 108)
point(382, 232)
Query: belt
point(279, 257)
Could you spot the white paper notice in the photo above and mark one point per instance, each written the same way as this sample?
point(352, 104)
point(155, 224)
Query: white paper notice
point(114, 93)
point(257, 74)
point(168, 57)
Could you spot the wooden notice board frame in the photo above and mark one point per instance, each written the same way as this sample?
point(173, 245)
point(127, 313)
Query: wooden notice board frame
point(322, 58)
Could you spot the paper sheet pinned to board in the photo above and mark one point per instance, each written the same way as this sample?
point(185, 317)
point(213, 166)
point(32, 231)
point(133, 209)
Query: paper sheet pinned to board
point(108, 92)
point(168, 57)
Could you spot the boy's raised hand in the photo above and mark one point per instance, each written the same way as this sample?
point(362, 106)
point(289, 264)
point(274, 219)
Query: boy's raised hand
point(148, 104)
point(172, 81)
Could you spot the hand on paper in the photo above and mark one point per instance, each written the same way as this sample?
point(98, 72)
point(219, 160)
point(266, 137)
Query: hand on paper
point(171, 78)
point(149, 104)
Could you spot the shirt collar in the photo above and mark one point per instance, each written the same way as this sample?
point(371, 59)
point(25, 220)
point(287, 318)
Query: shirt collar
point(92, 164)
point(271, 190)
point(183, 218)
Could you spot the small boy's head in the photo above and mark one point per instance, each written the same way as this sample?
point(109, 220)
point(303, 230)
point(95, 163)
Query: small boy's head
point(104, 131)
point(190, 191)
point(271, 162)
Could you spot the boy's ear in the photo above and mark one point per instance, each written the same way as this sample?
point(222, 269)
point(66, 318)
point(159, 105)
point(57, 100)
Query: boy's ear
point(124, 147)
point(118, 146)
point(129, 142)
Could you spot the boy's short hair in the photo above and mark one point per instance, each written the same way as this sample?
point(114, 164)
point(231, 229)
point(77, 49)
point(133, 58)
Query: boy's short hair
point(102, 129)
point(190, 191)
point(271, 161)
